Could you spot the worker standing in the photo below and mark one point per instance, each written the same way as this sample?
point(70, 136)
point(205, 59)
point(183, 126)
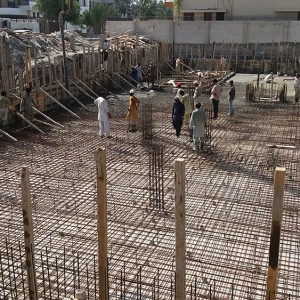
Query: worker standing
point(4, 108)
point(151, 74)
point(231, 95)
point(26, 104)
point(185, 99)
point(132, 115)
point(215, 97)
point(138, 68)
point(177, 115)
point(103, 116)
point(197, 92)
point(197, 125)
point(297, 87)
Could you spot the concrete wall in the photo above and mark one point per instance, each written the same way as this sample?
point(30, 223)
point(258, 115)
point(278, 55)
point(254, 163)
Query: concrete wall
point(202, 32)
point(243, 7)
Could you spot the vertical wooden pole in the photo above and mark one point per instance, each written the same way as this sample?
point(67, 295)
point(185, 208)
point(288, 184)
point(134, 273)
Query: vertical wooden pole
point(28, 233)
point(279, 182)
point(237, 57)
point(100, 156)
point(136, 48)
point(180, 227)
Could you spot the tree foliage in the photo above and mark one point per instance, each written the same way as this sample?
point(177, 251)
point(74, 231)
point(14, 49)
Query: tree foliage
point(142, 8)
point(51, 9)
point(96, 17)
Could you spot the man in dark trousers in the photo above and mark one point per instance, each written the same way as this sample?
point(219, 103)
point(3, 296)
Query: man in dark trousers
point(177, 115)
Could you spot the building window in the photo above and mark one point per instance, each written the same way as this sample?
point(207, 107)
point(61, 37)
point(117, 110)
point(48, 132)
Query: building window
point(298, 16)
point(207, 16)
point(188, 17)
point(220, 16)
point(11, 3)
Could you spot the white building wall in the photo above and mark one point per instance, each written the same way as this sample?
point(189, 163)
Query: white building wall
point(243, 7)
point(208, 32)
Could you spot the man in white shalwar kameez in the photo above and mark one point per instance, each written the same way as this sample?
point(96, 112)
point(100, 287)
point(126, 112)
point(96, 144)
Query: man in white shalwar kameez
point(103, 117)
point(197, 124)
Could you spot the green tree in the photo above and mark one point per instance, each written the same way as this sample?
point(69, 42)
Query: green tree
point(96, 17)
point(163, 12)
point(123, 7)
point(51, 9)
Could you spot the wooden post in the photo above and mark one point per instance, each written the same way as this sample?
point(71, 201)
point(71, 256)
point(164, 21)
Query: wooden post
point(180, 227)
point(100, 156)
point(236, 56)
point(28, 233)
point(279, 182)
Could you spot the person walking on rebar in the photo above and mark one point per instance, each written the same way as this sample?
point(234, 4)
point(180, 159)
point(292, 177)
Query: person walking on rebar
point(4, 109)
point(215, 97)
point(197, 125)
point(231, 95)
point(177, 115)
point(132, 115)
point(103, 116)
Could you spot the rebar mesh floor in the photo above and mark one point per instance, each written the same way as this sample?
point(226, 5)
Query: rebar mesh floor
point(229, 194)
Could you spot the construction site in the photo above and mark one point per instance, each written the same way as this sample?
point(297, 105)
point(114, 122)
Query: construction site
point(142, 215)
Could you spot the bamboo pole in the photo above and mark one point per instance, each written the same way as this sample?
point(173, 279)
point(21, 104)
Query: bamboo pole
point(29, 122)
point(87, 87)
point(28, 234)
point(8, 135)
point(279, 182)
point(83, 91)
point(72, 96)
point(61, 105)
point(180, 228)
point(48, 118)
point(100, 156)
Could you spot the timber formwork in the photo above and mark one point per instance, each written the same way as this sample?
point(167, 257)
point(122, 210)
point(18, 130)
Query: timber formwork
point(229, 192)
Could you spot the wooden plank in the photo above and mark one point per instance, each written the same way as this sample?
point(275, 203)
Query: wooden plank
point(180, 228)
point(279, 183)
point(28, 234)
point(60, 104)
point(8, 135)
point(48, 118)
point(72, 96)
point(100, 156)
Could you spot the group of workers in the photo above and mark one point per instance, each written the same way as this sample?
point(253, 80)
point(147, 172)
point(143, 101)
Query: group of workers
point(137, 74)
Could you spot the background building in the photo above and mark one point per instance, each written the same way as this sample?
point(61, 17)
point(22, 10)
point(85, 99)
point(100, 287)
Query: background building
point(219, 10)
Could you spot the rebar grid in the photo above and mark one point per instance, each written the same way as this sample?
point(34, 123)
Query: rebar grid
point(229, 194)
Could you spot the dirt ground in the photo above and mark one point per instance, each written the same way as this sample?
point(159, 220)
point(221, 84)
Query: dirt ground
point(229, 194)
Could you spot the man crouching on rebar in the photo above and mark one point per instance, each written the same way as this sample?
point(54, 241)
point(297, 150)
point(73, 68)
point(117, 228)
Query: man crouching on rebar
point(197, 124)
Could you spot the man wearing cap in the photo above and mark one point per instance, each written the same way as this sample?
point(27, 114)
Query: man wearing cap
point(197, 125)
point(103, 116)
point(132, 115)
point(177, 115)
